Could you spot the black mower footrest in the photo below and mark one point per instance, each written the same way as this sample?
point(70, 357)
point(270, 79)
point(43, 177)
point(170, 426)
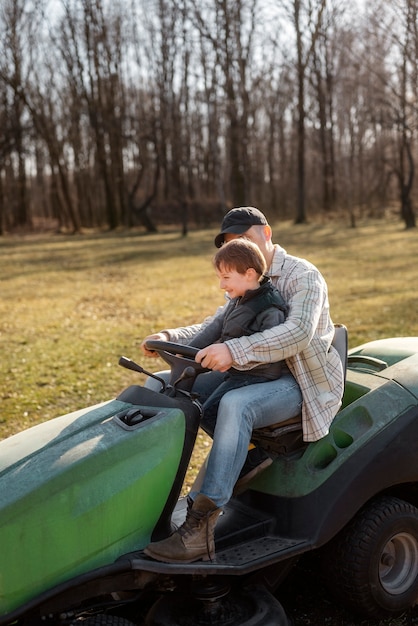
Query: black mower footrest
point(237, 560)
point(255, 550)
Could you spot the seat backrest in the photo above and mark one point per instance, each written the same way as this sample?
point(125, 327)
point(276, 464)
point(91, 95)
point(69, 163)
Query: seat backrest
point(340, 343)
point(286, 437)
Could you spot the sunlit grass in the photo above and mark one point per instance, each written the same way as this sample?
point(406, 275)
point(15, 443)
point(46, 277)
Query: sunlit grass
point(70, 306)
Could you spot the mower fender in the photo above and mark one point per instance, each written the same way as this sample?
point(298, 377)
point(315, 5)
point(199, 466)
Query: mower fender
point(80, 490)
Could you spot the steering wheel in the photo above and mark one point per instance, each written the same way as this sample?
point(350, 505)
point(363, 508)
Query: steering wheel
point(184, 368)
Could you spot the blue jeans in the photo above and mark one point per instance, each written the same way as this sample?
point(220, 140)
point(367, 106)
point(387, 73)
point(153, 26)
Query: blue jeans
point(240, 412)
point(234, 380)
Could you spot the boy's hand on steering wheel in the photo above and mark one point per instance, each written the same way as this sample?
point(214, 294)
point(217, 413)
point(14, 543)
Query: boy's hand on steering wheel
point(215, 357)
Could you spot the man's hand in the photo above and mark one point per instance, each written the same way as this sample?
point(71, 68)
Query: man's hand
point(215, 357)
point(155, 337)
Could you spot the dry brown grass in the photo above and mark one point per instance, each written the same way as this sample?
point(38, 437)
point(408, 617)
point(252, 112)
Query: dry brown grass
point(70, 306)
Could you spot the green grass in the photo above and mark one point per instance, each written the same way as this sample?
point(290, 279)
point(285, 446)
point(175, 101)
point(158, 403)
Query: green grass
point(70, 306)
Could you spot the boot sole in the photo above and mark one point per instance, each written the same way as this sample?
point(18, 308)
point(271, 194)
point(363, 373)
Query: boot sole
point(161, 559)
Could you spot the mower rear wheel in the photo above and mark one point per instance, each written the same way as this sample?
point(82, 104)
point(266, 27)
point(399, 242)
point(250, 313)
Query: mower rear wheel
point(373, 564)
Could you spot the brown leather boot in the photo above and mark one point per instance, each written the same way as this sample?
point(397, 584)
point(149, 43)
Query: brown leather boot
point(194, 540)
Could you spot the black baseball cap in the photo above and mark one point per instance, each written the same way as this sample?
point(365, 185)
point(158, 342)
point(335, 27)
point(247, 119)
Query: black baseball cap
point(238, 221)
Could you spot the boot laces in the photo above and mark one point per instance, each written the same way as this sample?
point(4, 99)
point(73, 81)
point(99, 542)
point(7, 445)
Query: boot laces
point(192, 522)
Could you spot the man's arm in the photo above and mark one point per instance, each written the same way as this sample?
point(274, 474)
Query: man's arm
point(307, 299)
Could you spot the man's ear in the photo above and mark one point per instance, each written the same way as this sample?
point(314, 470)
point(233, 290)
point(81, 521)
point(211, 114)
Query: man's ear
point(268, 233)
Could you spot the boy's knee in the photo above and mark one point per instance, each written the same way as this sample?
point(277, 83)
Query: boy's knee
point(233, 402)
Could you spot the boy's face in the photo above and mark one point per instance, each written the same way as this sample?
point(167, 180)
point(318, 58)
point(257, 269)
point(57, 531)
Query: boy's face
point(236, 284)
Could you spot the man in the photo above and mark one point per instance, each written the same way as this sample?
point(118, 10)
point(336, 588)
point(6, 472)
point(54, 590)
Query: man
point(313, 384)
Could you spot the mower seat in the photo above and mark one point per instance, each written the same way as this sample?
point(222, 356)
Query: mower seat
point(287, 437)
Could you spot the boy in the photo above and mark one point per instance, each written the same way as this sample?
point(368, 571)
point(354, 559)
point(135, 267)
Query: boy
point(255, 305)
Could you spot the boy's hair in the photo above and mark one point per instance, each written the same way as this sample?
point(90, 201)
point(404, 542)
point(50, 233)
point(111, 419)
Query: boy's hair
point(240, 255)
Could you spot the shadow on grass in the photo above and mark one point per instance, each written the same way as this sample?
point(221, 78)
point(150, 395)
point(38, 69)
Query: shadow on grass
point(25, 256)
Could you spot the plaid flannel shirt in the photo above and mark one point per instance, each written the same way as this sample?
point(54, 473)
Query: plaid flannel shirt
point(303, 340)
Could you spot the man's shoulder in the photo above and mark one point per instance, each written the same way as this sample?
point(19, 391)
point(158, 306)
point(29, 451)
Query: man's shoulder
point(283, 261)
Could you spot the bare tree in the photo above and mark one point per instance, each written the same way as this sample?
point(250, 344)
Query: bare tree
point(324, 77)
point(396, 77)
point(229, 27)
point(17, 31)
point(406, 121)
point(307, 20)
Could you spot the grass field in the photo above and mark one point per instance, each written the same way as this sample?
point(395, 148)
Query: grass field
point(70, 306)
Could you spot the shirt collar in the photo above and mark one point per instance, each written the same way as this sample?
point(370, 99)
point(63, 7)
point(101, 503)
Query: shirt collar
point(275, 268)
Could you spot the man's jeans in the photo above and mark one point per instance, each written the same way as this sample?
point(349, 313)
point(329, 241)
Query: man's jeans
point(240, 412)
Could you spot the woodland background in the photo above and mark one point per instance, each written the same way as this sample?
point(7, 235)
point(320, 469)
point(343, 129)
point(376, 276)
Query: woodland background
point(116, 113)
